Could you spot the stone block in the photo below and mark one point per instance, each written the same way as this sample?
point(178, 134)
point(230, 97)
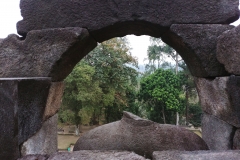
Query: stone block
point(236, 140)
point(96, 155)
point(32, 98)
point(44, 53)
point(44, 141)
point(216, 133)
point(107, 19)
point(196, 155)
point(141, 136)
point(220, 97)
point(9, 149)
point(228, 50)
point(197, 45)
point(54, 99)
point(34, 157)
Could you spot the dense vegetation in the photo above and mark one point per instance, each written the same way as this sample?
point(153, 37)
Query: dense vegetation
point(106, 82)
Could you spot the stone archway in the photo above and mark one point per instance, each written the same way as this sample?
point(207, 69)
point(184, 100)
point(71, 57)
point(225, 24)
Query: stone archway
point(58, 33)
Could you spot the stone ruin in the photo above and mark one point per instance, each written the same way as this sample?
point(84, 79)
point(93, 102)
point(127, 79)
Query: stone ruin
point(141, 136)
point(57, 34)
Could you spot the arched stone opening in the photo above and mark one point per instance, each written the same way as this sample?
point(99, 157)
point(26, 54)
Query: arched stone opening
point(57, 34)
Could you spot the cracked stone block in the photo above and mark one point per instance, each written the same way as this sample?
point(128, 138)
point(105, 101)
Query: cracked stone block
point(220, 97)
point(216, 133)
point(44, 53)
point(44, 141)
point(107, 19)
point(197, 45)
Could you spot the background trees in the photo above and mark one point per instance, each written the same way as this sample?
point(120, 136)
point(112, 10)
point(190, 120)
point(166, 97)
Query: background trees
point(160, 91)
point(106, 82)
point(100, 86)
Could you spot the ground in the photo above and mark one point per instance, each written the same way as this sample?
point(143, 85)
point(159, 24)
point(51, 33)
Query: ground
point(66, 138)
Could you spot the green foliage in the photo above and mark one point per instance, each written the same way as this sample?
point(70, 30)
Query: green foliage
point(96, 90)
point(188, 94)
point(81, 90)
point(195, 113)
point(160, 91)
point(105, 83)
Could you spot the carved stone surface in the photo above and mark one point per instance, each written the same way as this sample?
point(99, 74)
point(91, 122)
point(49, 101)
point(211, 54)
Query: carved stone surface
point(32, 98)
point(142, 136)
point(54, 99)
point(107, 19)
point(87, 155)
point(44, 53)
point(228, 50)
point(200, 155)
point(96, 155)
point(236, 140)
point(9, 149)
point(216, 133)
point(220, 97)
point(34, 157)
point(44, 141)
point(197, 44)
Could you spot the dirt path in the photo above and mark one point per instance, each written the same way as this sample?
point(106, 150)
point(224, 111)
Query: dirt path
point(66, 138)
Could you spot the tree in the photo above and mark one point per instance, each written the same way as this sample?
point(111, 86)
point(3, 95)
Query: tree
point(160, 91)
point(157, 52)
point(81, 90)
point(187, 82)
point(98, 86)
point(115, 71)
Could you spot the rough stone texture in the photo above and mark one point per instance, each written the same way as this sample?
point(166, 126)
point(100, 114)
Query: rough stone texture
point(197, 43)
point(25, 102)
point(87, 155)
point(142, 136)
point(44, 141)
point(34, 157)
point(196, 155)
point(54, 99)
point(96, 155)
point(228, 50)
point(32, 98)
point(216, 133)
point(9, 120)
point(107, 19)
point(236, 140)
point(220, 97)
point(44, 53)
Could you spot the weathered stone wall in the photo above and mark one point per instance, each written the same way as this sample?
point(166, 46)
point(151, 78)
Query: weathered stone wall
point(24, 114)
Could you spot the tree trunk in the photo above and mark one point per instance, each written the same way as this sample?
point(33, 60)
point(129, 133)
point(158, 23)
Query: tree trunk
point(177, 118)
point(176, 63)
point(163, 113)
point(77, 133)
point(177, 115)
point(186, 112)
